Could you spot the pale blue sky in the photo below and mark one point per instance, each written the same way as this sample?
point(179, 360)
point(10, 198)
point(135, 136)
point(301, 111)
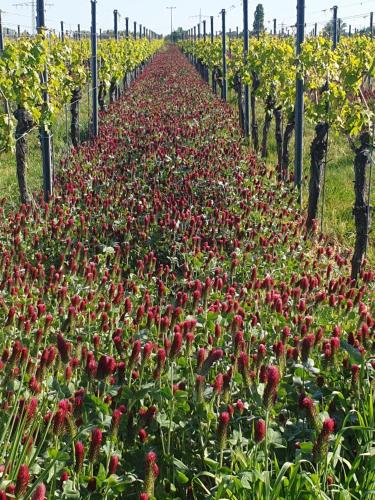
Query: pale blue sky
point(154, 14)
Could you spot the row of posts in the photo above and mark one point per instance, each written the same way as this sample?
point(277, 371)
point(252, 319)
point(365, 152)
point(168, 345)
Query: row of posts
point(142, 33)
point(299, 102)
point(190, 33)
point(195, 34)
point(45, 136)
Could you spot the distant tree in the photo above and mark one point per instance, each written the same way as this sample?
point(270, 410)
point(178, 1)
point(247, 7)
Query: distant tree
point(365, 31)
point(328, 28)
point(176, 35)
point(258, 24)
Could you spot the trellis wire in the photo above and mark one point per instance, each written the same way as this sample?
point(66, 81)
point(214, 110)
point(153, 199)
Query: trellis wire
point(65, 109)
point(370, 188)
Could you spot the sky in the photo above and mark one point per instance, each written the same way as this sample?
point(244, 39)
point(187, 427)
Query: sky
point(154, 13)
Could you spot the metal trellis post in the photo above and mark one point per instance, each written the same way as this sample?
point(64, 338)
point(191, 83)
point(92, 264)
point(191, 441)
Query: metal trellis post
point(1, 35)
point(224, 56)
point(115, 23)
point(195, 40)
point(94, 70)
point(334, 27)
point(205, 69)
point(299, 107)
point(245, 53)
point(212, 41)
point(45, 137)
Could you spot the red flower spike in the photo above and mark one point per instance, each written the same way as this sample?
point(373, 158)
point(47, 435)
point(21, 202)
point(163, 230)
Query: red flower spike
point(79, 455)
point(270, 391)
point(328, 426)
point(176, 345)
point(152, 472)
point(142, 433)
point(260, 430)
point(96, 441)
point(40, 492)
point(64, 476)
point(222, 429)
point(321, 444)
point(113, 465)
point(22, 481)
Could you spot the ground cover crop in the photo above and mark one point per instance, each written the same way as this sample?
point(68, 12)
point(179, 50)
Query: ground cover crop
point(167, 329)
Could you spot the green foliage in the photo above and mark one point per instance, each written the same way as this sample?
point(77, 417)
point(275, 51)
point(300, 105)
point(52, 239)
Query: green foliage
point(345, 71)
point(68, 63)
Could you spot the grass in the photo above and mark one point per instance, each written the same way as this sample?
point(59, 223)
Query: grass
point(61, 147)
point(338, 221)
